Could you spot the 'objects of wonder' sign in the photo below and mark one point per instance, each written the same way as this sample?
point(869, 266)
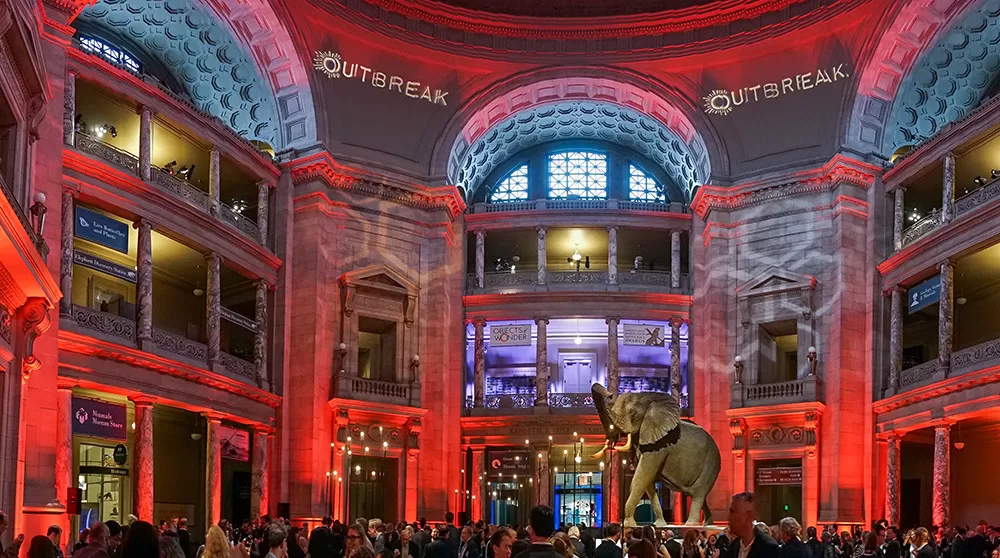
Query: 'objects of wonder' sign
point(723, 101)
point(331, 64)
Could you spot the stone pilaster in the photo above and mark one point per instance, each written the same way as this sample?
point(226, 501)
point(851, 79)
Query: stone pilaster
point(480, 258)
point(946, 318)
point(213, 302)
point(542, 476)
point(941, 486)
point(541, 363)
point(143, 462)
point(898, 216)
point(675, 356)
point(948, 189)
point(260, 336)
point(259, 490)
point(675, 259)
point(892, 479)
point(144, 283)
point(213, 471)
point(478, 473)
point(613, 376)
point(145, 143)
point(411, 480)
point(66, 253)
point(612, 255)
point(541, 254)
point(69, 109)
point(214, 187)
point(895, 338)
point(64, 441)
point(479, 367)
point(263, 211)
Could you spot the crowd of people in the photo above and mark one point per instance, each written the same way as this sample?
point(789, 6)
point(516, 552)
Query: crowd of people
point(743, 537)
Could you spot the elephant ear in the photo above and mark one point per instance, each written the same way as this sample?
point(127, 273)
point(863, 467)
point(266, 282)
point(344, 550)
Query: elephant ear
point(662, 416)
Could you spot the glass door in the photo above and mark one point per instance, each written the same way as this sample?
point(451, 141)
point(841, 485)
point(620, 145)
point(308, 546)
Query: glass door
point(101, 482)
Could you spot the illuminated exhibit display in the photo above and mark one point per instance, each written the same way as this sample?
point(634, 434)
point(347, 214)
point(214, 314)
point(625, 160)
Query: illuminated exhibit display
point(369, 258)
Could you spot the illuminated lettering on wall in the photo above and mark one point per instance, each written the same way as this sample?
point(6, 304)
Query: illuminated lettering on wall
point(723, 101)
point(331, 64)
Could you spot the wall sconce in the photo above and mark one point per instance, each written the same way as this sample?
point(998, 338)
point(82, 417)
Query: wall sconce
point(738, 370)
point(37, 211)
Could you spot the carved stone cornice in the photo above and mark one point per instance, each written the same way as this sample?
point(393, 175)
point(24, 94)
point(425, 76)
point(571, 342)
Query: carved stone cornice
point(322, 167)
point(838, 170)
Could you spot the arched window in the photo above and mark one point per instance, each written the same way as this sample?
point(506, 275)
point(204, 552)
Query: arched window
point(513, 187)
point(643, 187)
point(116, 56)
point(578, 175)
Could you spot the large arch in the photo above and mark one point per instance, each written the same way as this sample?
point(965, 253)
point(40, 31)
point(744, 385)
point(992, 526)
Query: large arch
point(905, 37)
point(513, 108)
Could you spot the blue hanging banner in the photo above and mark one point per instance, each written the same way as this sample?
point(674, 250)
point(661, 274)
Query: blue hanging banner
point(100, 229)
point(104, 266)
point(924, 294)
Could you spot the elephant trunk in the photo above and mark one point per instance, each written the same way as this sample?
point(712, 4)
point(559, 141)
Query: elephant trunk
point(609, 419)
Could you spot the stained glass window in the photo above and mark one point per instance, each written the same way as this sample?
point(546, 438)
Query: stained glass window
point(114, 55)
point(578, 175)
point(514, 186)
point(642, 187)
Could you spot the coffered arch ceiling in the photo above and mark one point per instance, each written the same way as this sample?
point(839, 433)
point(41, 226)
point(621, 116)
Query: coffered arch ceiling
point(217, 54)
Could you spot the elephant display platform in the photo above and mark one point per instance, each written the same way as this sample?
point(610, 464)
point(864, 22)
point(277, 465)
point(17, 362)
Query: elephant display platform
point(678, 453)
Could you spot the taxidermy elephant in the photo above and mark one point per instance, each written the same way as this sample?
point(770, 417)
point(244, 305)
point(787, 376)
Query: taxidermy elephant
point(678, 453)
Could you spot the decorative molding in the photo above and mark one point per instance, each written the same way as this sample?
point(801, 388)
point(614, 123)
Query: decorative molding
point(34, 321)
point(322, 167)
point(5, 324)
point(776, 435)
point(812, 434)
point(738, 428)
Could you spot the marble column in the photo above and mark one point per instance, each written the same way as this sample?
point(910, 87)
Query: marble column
point(675, 259)
point(898, 216)
point(941, 484)
point(64, 441)
point(479, 364)
point(144, 283)
point(613, 467)
point(541, 363)
point(895, 337)
point(263, 211)
point(145, 143)
point(946, 318)
point(260, 336)
point(541, 254)
point(66, 253)
point(480, 258)
point(612, 255)
point(948, 189)
point(675, 356)
point(259, 490)
point(892, 479)
point(213, 304)
point(214, 188)
point(612, 379)
point(143, 461)
point(213, 471)
point(69, 109)
point(478, 473)
point(542, 476)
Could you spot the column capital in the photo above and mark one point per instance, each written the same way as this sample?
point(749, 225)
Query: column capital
point(479, 231)
point(949, 262)
point(615, 320)
point(141, 222)
point(211, 256)
point(213, 416)
point(479, 322)
point(677, 321)
point(142, 400)
point(260, 282)
point(265, 183)
point(612, 227)
point(66, 384)
point(263, 429)
point(541, 228)
point(942, 423)
point(539, 321)
point(889, 435)
point(71, 189)
point(146, 108)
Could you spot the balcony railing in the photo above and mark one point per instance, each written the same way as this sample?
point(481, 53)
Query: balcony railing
point(556, 401)
point(106, 152)
point(919, 373)
point(179, 345)
point(103, 322)
point(578, 277)
point(36, 239)
point(239, 367)
point(777, 393)
point(378, 391)
point(977, 198)
point(234, 218)
point(976, 357)
point(922, 227)
point(181, 189)
point(577, 205)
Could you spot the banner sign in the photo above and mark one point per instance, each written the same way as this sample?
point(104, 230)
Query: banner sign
point(925, 294)
point(509, 462)
point(649, 335)
point(235, 443)
point(99, 418)
point(510, 335)
point(779, 476)
point(100, 229)
point(238, 319)
point(334, 66)
point(724, 101)
point(104, 266)
point(98, 470)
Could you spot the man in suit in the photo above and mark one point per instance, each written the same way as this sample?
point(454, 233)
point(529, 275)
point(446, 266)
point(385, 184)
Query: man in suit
point(467, 547)
point(812, 543)
point(673, 547)
point(420, 535)
point(452, 537)
point(892, 546)
point(183, 536)
point(748, 542)
point(921, 546)
point(588, 541)
point(609, 547)
point(438, 548)
point(499, 544)
point(793, 547)
point(541, 525)
point(321, 540)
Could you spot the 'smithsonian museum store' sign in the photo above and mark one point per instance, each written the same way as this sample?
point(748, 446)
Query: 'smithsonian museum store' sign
point(510, 335)
point(335, 67)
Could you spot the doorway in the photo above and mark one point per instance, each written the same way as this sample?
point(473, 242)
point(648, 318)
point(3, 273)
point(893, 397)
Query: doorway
point(577, 371)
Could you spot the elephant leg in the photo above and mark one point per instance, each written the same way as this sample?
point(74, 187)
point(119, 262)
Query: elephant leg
point(654, 500)
point(706, 512)
point(645, 474)
point(697, 503)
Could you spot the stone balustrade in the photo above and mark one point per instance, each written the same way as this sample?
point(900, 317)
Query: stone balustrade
point(977, 198)
point(86, 143)
point(578, 205)
point(919, 373)
point(377, 391)
point(104, 323)
point(922, 227)
point(234, 218)
point(527, 280)
point(182, 189)
point(801, 390)
point(976, 357)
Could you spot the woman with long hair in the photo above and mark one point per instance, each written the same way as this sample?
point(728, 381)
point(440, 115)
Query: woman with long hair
point(216, 543)
point(690, 547)
point(712, 548)
point(563, 545)
point(41, 547)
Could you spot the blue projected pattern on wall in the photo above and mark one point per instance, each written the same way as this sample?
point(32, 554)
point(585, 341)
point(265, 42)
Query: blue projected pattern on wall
point(579, 175)
point(642, 187)
point(514, 187)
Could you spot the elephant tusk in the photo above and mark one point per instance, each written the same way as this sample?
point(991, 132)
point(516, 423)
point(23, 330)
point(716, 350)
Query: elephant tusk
point(599, 454)
point(628, 444)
